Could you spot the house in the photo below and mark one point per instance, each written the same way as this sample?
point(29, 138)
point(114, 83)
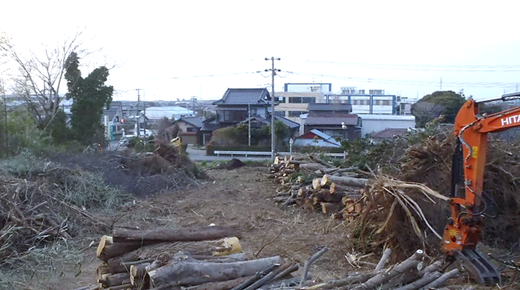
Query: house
point(257, 122)
point(235, 106)
point(388, 133)
point(316, 138)
point(114, 117)
point(334, 120)
point(154, 114)
point(189, 129)
point(377, 123)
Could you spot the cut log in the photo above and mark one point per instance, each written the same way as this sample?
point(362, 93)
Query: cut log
point(330, 207)
point(121, 287)
point(336, 188)
point(174, 234)
point(109, 280)
point(343, 180)
point(386, 255)
point(442, 280)
point(428, 278)
point(322, 162)
point(325, 195)
point(223, 285)
point(189, 273)
point(352, 279)
point(220, 247)
point(381, 278)
point(316, 183)
point(137, 272)
point(311, 167)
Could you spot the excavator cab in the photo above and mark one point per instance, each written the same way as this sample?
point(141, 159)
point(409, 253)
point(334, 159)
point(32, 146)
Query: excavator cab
point(462, 233)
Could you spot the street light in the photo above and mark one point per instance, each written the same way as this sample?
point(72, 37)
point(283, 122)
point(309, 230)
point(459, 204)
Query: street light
point(344, 127)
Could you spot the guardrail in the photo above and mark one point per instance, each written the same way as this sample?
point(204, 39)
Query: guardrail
point(267, 153)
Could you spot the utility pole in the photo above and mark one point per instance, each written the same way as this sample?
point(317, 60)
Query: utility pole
point(273, 73)
point(137, 112)
point(249, 125)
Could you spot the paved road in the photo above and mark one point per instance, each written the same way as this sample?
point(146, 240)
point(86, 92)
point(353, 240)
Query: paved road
point(200, 155)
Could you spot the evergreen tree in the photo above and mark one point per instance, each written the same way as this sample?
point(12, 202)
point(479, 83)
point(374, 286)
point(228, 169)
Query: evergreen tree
point(90, 96)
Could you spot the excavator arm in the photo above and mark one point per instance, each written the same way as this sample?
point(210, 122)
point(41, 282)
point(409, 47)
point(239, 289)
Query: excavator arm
point(464, 228)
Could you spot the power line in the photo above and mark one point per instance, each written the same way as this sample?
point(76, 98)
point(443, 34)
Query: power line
point(414, 82)
point(424, 67)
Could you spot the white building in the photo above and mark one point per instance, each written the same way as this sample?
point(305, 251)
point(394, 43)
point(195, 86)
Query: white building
point(374, 123)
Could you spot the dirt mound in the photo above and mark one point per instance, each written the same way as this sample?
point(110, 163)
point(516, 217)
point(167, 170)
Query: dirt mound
point(234, 164)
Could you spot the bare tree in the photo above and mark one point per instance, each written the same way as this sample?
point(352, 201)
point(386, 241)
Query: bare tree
point(41, 76)
point(425, 112)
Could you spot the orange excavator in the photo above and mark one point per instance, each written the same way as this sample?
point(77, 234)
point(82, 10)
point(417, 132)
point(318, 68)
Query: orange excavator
point(468, 206)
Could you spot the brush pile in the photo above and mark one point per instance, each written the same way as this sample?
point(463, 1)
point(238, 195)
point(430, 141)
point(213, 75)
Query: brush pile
point(401, 203)
point(53, 206)
point(169, 258)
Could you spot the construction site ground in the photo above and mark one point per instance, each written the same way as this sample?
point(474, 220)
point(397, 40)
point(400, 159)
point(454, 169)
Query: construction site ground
point(240, 197)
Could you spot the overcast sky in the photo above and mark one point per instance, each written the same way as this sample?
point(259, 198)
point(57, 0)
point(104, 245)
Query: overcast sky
point(179, 49)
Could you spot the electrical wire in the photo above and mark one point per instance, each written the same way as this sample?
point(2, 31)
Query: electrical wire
point(414, 83)
point(423, 67)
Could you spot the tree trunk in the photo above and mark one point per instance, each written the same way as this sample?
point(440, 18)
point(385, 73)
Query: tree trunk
point(168, 250)
point(381, 278)
point(441, 281)
point(174, 234)
point(312, 167)
point(222, 285)
point(336, 188)
point(428, 278)
point(343, 180)
point(190, 273)
point(107, 249)
point(109, 280)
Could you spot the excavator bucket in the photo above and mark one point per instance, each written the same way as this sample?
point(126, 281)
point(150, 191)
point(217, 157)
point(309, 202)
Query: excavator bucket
point(478, 266)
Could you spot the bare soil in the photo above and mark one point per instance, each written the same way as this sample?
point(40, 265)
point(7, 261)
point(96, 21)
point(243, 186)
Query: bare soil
point(241, 197)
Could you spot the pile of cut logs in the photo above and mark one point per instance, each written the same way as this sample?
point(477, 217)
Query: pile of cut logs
point(169, 258)
point(313, 183)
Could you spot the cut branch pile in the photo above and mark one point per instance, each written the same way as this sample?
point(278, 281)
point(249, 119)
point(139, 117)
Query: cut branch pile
point(381, 210)
point(166, 258)
point(314, 184)
point(31, 213)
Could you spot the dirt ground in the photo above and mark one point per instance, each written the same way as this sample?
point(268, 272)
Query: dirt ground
point(241, 197)
point(238, 197)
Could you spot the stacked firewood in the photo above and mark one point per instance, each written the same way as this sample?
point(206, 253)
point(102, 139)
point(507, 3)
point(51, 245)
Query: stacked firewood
point(165, 258)
point(313, 183)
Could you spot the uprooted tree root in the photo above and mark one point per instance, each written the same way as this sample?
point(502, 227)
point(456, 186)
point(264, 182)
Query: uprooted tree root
point(399, 215)
point(404, 217)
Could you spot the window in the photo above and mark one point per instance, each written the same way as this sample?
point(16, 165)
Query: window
point(295, 100)
point(361, 92)
point(378, 102)
point(296, 114)
point(191, 129)
point(376, 92)
point(280, 99)
point(253, 112)
point(387, 102)
point(279, 113)
point(308, 100)
point(227, 115)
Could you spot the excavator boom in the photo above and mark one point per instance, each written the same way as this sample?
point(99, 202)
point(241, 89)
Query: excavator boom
point(464, 228)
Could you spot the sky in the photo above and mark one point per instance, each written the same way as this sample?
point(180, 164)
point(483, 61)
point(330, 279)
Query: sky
point(183, 49)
